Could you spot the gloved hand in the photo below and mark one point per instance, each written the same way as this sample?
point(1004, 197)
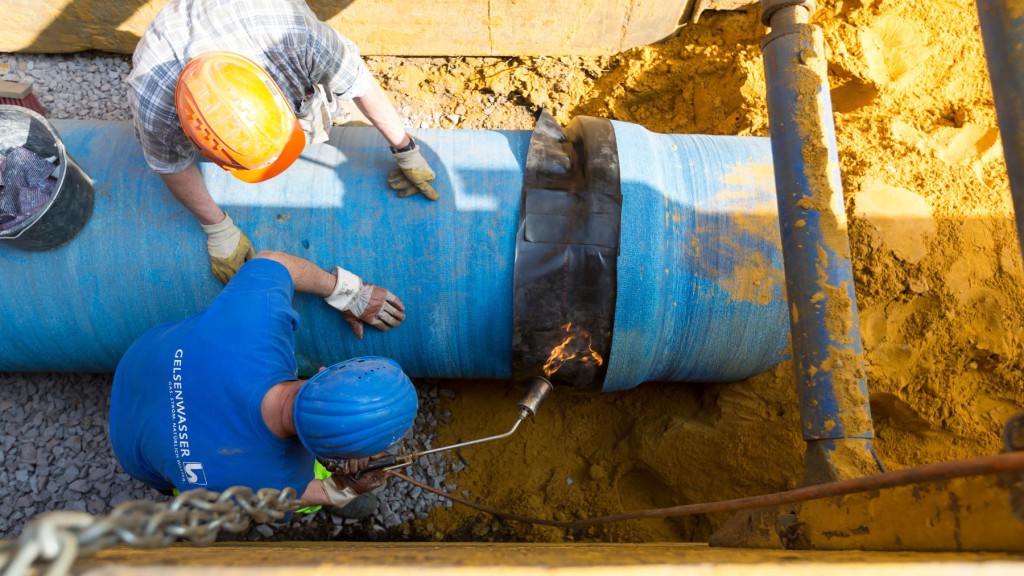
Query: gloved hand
point(361, 302)
point(366, 482)
point(341, 489)
point(335, 495)
point(228, 247)
point(413, 174)
point(353, 465)
point(317, 113)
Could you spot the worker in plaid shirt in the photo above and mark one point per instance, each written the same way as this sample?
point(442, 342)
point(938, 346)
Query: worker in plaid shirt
point(249, 83)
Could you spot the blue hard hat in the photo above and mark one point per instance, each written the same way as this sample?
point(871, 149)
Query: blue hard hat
point(355, 408)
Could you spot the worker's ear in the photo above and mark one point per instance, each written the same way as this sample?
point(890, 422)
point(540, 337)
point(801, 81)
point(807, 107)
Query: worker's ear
point(322, 368)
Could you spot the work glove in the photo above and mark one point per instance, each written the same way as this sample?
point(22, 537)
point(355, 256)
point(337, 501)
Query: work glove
point(228, 247)
point(367, 482)
point(361, 303)
point(413, 174)
point(318, 112)
point(342, 489)
point(353, 465)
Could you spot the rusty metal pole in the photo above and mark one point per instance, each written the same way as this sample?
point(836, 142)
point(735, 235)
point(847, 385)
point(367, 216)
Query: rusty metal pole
point(827, 350)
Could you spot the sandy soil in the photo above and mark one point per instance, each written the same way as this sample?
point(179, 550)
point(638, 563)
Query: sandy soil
point(937, 266)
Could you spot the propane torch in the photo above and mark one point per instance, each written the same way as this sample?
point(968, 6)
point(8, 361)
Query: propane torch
point(528, 405)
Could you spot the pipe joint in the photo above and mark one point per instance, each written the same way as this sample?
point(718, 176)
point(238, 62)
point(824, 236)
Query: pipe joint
point(769, 8)
point(567, 247)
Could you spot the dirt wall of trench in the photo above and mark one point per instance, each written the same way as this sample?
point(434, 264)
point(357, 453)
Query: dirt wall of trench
point(937, 267)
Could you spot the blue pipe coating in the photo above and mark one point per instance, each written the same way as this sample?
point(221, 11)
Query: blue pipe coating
point(700, 294)
point(828, 355)
point(700, 259)
point(1002, 31)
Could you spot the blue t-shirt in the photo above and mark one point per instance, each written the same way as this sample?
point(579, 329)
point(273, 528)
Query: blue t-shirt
point(185, 406)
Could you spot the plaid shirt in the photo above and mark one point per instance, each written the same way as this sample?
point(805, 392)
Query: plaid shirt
point(282, 36)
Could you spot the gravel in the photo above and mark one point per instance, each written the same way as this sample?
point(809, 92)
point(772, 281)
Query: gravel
point(56, 455)
point(54, 449)
point(86, 85)
point(90, 85)
point(55, 452)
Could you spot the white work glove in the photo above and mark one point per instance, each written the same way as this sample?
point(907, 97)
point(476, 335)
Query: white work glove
point(361, 302)
point(339, 497)
point(318, 112)
point(341, 489)
point(228, 247)
point(413, 174)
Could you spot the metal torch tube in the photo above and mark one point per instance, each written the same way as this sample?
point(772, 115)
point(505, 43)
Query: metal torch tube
point(470, 442)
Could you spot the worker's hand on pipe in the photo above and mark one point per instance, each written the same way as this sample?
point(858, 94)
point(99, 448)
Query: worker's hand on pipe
point(413, 174)
point(364, 303)
point(228, 247)
point(375, 306)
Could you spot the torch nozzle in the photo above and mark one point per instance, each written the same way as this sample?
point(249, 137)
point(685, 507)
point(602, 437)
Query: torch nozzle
point(535, 394)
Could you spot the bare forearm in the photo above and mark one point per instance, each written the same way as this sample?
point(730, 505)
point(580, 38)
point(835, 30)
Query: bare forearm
point(378, 109)
point(188, 187)
point(306, 276)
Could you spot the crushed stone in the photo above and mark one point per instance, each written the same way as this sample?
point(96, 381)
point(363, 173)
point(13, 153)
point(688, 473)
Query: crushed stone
point(72, 411)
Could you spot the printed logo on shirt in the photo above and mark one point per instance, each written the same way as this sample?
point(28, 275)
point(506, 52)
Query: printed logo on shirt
point(191, 472)
point(194, 473)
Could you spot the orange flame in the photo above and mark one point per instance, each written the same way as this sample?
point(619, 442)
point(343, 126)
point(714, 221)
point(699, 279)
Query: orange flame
point(576, 346)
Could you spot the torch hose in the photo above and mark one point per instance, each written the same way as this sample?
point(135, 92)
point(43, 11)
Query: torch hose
point(981, 466)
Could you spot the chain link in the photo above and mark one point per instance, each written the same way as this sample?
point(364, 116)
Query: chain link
point(197, 516)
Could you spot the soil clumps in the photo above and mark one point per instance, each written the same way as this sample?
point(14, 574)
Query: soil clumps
point(935, 253)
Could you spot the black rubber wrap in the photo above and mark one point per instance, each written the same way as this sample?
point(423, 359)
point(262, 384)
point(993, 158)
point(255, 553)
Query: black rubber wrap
point(566, 248)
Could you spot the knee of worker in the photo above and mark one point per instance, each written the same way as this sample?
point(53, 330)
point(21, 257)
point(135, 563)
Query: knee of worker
point(355, 409)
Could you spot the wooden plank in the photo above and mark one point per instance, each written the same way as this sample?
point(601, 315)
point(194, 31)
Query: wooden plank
point(958, 515)
point(380, 27)
point(14, 89)
point(506, 559)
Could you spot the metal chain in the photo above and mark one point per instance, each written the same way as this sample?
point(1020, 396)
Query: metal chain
point(197, 516)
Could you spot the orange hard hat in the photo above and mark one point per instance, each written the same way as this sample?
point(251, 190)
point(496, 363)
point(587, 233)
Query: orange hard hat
point(236, 115)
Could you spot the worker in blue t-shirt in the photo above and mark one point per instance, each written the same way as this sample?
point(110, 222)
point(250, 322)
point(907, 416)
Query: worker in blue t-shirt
point(214, 401)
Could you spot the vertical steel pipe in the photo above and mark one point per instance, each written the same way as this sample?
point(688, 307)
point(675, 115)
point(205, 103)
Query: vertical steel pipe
point(1002, 31)
point(827, 350)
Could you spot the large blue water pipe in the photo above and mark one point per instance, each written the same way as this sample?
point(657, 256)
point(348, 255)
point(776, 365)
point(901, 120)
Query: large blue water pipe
point(1002, 30)
point(827, 349)
point(700, 284)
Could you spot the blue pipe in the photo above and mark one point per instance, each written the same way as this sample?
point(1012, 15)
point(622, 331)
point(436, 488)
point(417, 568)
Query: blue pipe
point(700, 293)
point(1002, 31)
point(829, 358)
